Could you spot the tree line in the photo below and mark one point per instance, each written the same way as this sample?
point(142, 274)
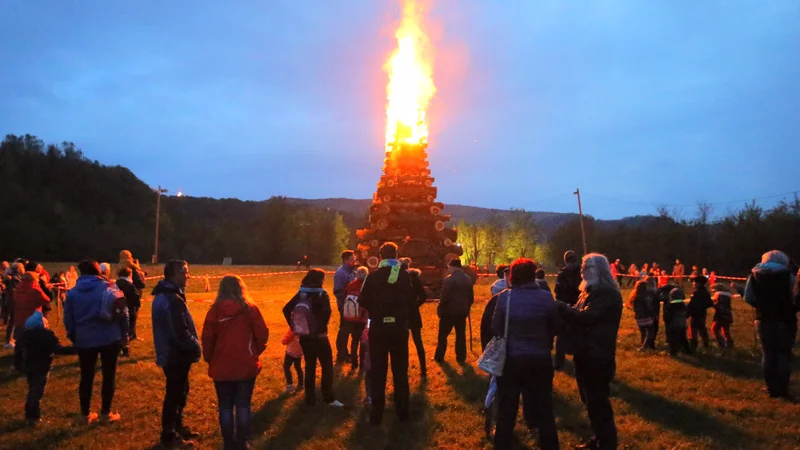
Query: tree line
point(57, 205)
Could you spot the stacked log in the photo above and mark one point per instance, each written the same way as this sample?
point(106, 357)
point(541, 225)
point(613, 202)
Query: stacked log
point(404, 210)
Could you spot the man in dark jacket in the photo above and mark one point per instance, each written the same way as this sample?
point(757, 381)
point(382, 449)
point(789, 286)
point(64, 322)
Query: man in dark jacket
point(593, 337)
point(344, 275)
point(567, 290)
point(698, 311)
point(177, 348)
point(769, 290)
point(454, 306)
point(415, 321)
point(387, 295)
point(133, 300)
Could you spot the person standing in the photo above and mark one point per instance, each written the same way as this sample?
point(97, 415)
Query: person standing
point(354, 316)
point(415, 320)
point(28, 298)
point(723, 315)
point(457, 298)
point(533, 321)
point(134, 295)
point(177, 348)
point(344, 275)
point(94, 331)
point(643, 302)
point(566, 290)
point(677, 273)
point(308, 313)
point(387, 295)
point(17, 270)
point(698, 311)
point(769, 290)
point(234, 336)
point(132, 300)
point(502, 280)
point(597, 315)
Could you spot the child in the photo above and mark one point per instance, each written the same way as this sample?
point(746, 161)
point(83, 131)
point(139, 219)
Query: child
point(663, 279)
point(366, 366)
point(723, 315)
point(206, 284)
point(353, 315)
point(712, 279)
point(642, 301)
point(294, 354)
point(675, 313)
point(40, 344)
point(698, 306)
point(542, 282)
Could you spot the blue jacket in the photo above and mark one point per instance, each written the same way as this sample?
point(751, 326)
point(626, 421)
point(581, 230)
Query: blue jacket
point(85, 326)
point(532, 323)
point(174, 333)
point(344, 275)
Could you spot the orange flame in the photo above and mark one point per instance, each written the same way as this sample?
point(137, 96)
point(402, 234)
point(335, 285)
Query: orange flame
point(410, 85)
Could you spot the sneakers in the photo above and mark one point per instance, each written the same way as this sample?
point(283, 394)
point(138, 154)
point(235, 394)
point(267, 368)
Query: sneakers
point(9, 345)
point(87, 420)
point(336, 404)
point(111, 417)
point(290, 389)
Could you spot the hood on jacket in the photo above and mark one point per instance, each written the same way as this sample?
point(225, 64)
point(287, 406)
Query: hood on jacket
point(414, 272)
point(36, 320)
point(769, 268)
point(88, 283)
point(165, 286)
point(229, 308)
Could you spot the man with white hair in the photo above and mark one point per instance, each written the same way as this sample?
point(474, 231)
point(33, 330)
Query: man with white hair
point(595, 319)
point(769, 290)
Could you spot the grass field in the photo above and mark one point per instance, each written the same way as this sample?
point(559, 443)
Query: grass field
point(713, 400)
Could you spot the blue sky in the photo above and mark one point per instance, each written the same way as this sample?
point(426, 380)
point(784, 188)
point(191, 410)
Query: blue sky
point(638, 103)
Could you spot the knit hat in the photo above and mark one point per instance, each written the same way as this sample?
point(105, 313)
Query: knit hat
point(677, 296)
point(36, 320)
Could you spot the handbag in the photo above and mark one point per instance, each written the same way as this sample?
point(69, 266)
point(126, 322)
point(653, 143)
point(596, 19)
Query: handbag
point(493, 358)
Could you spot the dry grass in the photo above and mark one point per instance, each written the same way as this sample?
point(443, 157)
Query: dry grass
point(710, 401)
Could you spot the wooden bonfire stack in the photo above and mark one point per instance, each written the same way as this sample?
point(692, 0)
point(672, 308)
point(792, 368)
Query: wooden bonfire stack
point(404, 211)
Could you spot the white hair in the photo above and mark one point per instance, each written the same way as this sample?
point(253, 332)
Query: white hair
point(775, 256)
point(361, 273)
point(105, 269)
point(602, 272)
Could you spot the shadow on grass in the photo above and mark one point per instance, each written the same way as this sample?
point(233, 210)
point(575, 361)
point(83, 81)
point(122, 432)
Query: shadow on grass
point(680, 417)
point(266, 414)
point(306, 423)
point(735, 365)
point(470, 386)
point(414, 434)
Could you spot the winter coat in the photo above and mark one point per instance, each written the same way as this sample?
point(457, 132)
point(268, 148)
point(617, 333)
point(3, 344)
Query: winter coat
point(699, 303)
point(292, 343)
point(133, 296)
point(234, 336)
point(498, 286)
point(533, 320)
point(723, 312)
point(643, 308)
point(320, 307)
point(486, 321)
point(568, 283)
point(40, 346)
point(769, 290)
point(83, 315)
point(174, 332)
point(675, 315)
point(28, 297)
point(457, 295)
point(415, 319)
point(543, 285)
point(593, 322)
point(389, 303)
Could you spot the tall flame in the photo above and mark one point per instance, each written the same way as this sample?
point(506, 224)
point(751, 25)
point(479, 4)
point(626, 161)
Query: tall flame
point(410, 86)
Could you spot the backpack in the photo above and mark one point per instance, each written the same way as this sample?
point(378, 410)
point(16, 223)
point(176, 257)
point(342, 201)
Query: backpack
point(113, 304)
point(352, 310)
point(303, 321)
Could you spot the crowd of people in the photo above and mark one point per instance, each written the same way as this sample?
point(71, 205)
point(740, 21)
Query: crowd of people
point(378, 312)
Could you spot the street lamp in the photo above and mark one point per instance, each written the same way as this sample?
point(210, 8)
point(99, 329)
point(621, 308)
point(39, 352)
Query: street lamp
point(159, 191)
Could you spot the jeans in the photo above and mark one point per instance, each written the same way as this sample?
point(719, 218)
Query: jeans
point(177, 391)
point(133, 315)
point(36, 384)
point(288, 362)
point(341, 340)
point(777, 339)
point(676, 338)
point(594, 377)
point(108, 362)
point(698, 328)
point(318, 348)
point(234, 395)
point(722, 333)
point(353, 331)
point(533, 379)
point(388, 341)
point(416, 336)
point(446, 325)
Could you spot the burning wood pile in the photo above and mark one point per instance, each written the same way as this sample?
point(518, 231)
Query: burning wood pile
point(404, 211)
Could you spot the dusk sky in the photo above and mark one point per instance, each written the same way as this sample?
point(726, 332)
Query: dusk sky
point(638, 103)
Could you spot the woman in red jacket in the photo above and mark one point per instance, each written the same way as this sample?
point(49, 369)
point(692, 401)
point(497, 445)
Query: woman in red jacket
point(234, 336)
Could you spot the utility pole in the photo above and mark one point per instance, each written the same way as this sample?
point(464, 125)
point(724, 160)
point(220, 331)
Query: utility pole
point(583, 229)
point(159, 191)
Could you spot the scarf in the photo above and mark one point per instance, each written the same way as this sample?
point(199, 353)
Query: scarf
point(395, 265)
